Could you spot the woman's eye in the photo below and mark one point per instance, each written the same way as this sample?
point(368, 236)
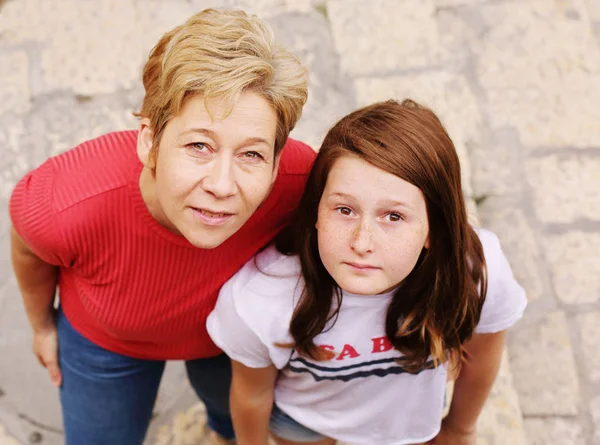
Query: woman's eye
point(394, 217)
point(344, 211)
point(199, 146)
point(253, 155)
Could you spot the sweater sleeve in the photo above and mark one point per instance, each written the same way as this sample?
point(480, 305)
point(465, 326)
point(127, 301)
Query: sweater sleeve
point(34, 218)
point(505, 300)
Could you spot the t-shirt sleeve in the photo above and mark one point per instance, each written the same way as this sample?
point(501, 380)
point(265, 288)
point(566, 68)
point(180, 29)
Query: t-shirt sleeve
point(505, 300)
point(34, 218)
point(231, 332)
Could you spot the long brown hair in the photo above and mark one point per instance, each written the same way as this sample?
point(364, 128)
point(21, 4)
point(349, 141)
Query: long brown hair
point(437, 306)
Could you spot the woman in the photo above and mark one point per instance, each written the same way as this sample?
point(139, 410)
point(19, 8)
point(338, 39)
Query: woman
point(140, 229)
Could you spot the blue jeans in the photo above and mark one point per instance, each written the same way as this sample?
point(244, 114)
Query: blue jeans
point(283, 426)
point(108, 398)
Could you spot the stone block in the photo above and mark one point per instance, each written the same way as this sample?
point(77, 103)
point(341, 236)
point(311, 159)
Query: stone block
point(589, 332)
point(575, 265)
point(595, 411)
point(505, 217)
point(539, 65)
point(565, 189)
point(498, 165)
point(401, 35)
point(269, 8)
point(5, 439)
point(91, 50)
point(501, 422)
point(452, 3)
point(15, 94)
point(543, 368)
point(554, 431)
point(593, 9)
point(330, 92)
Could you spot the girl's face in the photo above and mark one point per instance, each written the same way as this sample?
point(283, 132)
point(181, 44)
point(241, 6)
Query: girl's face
point(371, 225)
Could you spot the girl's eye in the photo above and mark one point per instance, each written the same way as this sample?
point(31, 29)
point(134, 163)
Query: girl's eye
point(394, 217)
point(344, 211)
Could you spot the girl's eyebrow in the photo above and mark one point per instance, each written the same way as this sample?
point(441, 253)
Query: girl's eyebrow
point(394, 203)
point(384, 203)
point(340, 195)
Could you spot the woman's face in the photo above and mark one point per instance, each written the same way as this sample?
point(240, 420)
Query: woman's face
point(371, 225)
point(211, 175)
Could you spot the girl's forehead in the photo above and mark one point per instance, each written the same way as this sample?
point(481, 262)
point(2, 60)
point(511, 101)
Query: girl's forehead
point(353, 177)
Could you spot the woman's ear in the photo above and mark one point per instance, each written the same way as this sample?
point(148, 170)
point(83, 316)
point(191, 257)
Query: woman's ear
point(144, 143)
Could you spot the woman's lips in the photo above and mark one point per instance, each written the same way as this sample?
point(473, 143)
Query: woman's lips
point(211, 218)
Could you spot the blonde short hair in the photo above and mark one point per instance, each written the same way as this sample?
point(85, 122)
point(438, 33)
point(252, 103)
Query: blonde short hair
point(220, 54)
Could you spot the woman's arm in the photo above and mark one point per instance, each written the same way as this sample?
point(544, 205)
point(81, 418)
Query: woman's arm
point(472, 388)
point(37, 282)
point(251, 400)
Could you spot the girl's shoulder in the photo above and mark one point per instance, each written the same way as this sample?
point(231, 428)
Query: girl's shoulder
point(269, 282)
point(269, 272)
point(505, 299)
point(498, 267)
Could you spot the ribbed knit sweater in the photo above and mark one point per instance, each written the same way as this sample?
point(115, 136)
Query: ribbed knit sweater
point(127, 283)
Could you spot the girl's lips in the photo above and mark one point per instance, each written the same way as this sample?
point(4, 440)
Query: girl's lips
point(210, 218)
point(364, 267)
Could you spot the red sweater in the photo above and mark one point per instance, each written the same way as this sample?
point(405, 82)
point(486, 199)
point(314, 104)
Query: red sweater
point(127, 283)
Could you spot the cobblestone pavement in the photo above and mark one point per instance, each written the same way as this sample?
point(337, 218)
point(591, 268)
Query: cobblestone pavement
point(517, 83)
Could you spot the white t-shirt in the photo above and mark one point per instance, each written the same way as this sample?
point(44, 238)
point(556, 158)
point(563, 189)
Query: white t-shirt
point(362, 396)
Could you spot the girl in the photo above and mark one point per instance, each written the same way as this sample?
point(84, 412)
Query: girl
point(349, 332)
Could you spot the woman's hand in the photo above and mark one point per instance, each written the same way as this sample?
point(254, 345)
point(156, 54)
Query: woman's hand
point(45, 348)
point(451, 436)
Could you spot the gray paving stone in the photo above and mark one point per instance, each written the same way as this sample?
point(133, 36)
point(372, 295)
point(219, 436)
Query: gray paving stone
point(92, 65)
point(589, 330)
point(539, 65)
point(551, 431)
point(501, 421)
point(450, 3)
point(565, 189)
point(504, 217)
point(55, 125)
point(401, 35)
point(595, 411)
point(543, 368)
point(593, 8)
point(575, 264)
point(498, 165)
point(449, 96)
point(267, 8)
point(330, 92)
point(14, 77)
point(5, 439)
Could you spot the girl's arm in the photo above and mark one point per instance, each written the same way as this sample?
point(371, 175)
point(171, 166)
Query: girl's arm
point(251, 400)
point(472, 388)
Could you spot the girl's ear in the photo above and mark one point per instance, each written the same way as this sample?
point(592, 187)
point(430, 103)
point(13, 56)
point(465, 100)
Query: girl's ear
point(144, 143)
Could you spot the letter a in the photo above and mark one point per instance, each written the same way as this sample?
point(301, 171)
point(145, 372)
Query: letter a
point(348, 351)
